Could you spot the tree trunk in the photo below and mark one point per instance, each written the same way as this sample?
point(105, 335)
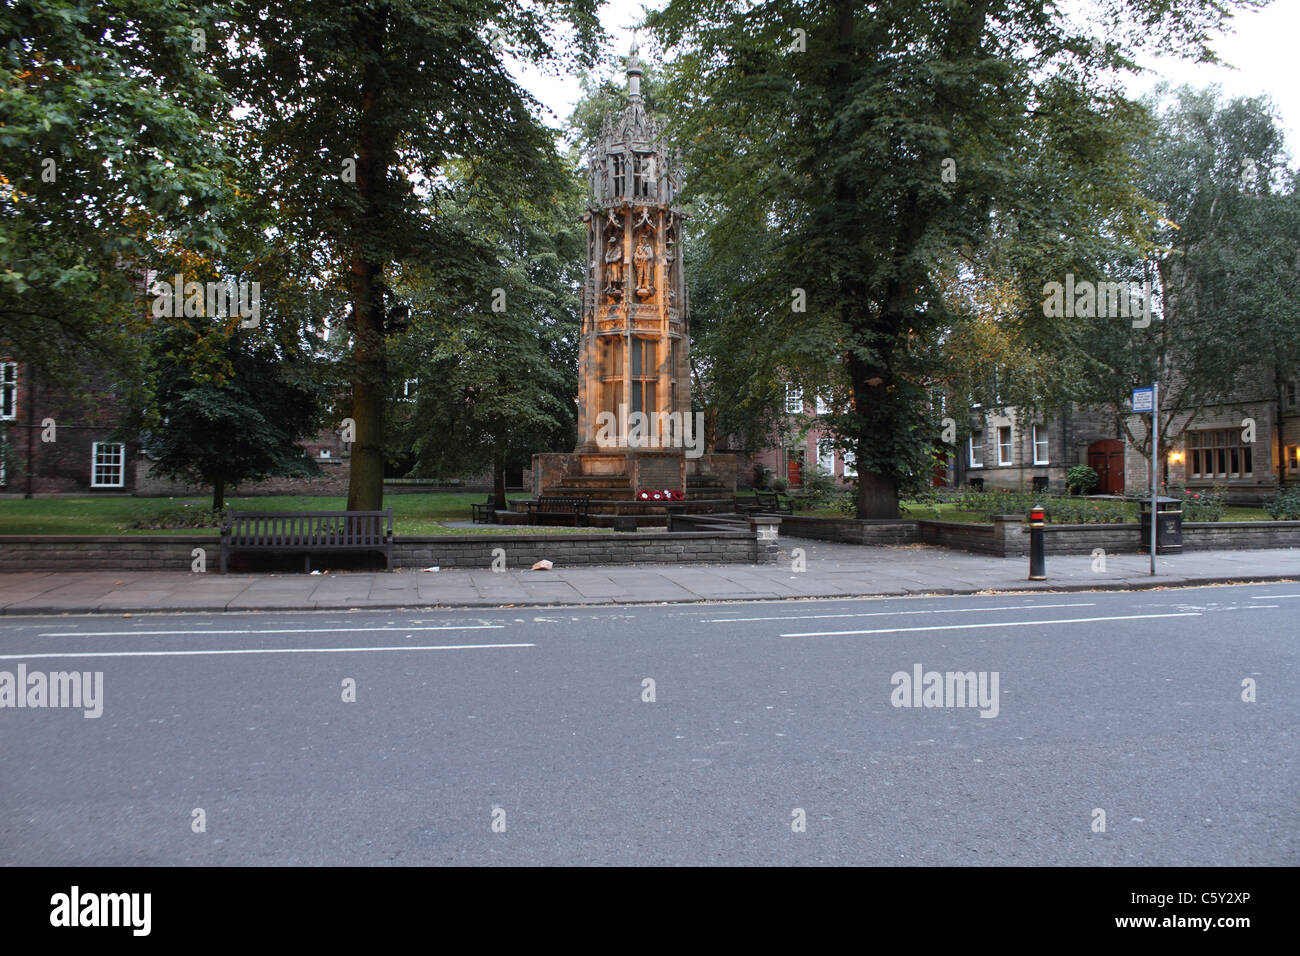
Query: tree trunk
point(369, 348)
point(218, 494)
point(877, 492)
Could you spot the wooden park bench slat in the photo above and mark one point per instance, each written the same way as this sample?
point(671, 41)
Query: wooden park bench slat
point(308, 532)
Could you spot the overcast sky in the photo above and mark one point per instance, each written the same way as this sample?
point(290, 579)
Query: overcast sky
point(1259, 58)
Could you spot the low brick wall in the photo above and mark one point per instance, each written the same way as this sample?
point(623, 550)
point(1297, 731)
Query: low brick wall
point(979, 538)
point(1086, 538)
point(1007, 536)
point(1197, 536)
point(762, 529)
point(174, 552)
point(570, 550)
point(1216, 535)
point(756, 543)
point(852, 531)
point(162, 552)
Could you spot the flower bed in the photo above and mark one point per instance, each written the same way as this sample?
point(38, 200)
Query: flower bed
point(1199, 505)
point(660, 494)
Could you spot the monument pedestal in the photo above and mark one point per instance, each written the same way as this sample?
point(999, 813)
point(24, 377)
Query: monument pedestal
point(613, 478)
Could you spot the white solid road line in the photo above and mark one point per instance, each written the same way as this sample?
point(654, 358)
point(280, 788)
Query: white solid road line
point(261, 650)
point(962, 627)
point(283, 630)
point(955, 610)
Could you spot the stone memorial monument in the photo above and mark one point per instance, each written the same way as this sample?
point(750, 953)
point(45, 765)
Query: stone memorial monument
point(636, 430)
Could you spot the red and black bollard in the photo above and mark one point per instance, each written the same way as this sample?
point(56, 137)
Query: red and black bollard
point(1037, 560)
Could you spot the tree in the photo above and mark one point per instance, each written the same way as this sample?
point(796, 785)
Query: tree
point(108, 152)
point(496, 378)
point(358, 109)
point(870, 154)
point(1221, 260)
point(230, 404)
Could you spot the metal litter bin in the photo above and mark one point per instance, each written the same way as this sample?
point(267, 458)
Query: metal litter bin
point(1169, 526)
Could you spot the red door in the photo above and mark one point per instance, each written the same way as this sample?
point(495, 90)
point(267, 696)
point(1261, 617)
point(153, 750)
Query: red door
point(1106, 458)
point(792, 470)
point(941, 470)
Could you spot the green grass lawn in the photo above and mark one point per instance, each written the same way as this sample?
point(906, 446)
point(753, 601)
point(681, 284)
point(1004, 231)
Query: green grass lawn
point(416, 514)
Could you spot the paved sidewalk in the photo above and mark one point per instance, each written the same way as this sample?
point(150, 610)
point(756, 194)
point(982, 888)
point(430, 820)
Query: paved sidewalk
point(833, 570)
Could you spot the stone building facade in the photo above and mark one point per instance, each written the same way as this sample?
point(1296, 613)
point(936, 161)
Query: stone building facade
point(1002, 450)
point(1247, 445)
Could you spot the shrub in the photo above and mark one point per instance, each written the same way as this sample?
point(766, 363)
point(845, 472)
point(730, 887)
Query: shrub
point(1285, 505)
point(1201, 505)
point(1081, 478)
point(780, 484)
point(154, 517)
point(1075, 511)
point(819, 486)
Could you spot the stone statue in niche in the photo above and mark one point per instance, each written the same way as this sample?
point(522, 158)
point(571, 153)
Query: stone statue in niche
point(614, 268)
point(644, 260)
point(614, 258)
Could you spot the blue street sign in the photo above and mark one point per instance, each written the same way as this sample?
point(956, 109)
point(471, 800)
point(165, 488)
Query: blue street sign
point(1144, 399)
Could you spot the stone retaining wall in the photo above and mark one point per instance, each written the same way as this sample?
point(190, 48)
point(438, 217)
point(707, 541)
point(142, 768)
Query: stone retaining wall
point(56, 552)
point(851, 531)
point(752, 541)
point(1008, 537)
point(175, 552)
point(569, 550)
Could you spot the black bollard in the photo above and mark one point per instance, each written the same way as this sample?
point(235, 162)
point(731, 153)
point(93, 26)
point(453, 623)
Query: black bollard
point(1037, 559)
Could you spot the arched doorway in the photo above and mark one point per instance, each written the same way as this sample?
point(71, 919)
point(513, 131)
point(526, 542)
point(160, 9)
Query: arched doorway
point(1106, 458)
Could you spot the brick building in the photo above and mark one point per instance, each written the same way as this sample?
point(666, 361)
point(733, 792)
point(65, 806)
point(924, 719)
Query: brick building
point(799, 440)
point(61, 440)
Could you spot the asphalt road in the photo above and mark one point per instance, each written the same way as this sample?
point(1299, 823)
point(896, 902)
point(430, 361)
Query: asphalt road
point(534, 719)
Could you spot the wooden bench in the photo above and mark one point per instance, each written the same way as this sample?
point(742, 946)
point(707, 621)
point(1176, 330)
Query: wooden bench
point(484, 513)
point(555, 506)
point(308, 532)
point(764, 502)
point(769, 502)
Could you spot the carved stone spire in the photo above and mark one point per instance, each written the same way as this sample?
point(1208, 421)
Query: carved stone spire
point(634, 72)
